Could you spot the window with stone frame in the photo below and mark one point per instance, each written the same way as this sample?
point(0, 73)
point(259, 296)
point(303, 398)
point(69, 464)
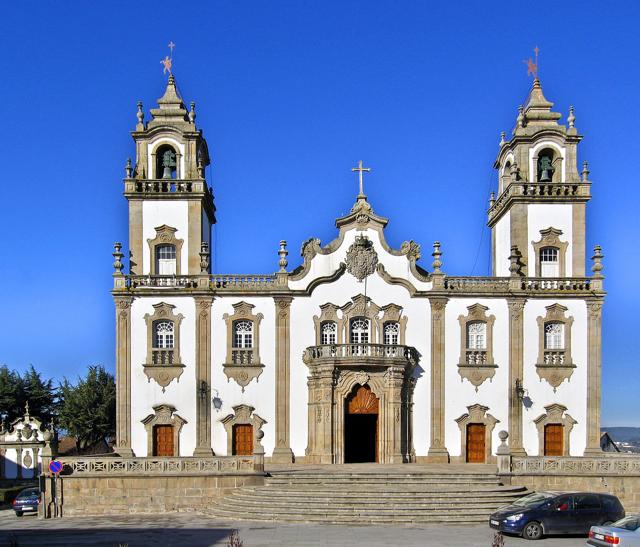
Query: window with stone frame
point(165, 251)
point(555, 363)
point(166, 259)
point(550, 253)
point(359, 330)
point(328, 333)
point(242, 362)
point(163, 361)
point(476, 362)
point(392, 333)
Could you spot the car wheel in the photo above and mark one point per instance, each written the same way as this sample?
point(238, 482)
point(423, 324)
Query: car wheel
point(19, 513)
point(532, 530)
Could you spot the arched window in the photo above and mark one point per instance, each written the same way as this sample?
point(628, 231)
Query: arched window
point(163, 334)
point(359, 330)
point(554, 336)
point(392, 333)
point(243, 334)
point(166, 259)
point(549, 262)
point(545, 165)
point(477, 335)
point(328, 333)
point(166, 162)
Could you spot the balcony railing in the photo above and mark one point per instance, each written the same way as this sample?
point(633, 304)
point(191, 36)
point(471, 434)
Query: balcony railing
point(462, 284)
point(154, 281)
point(242, 356)
point(553, 357)
point(162, 356)
point(476, 357)
point(248, 281)
point(360, 352)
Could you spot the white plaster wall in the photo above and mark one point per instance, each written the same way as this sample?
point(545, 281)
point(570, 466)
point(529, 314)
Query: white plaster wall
point(11, 465)
point(542, 216)
point(260, 394)
point(146, 394)
point(324, 265)
point(341, 292)
point(503, 245)
point(153, 146)
point(172, 213)
point(459, 394)
point(572, 394)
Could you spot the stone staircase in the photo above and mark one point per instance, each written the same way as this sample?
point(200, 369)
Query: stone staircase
point(361, 494)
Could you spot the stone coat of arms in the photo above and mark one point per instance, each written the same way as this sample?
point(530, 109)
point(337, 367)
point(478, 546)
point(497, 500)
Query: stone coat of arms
point(361, 258)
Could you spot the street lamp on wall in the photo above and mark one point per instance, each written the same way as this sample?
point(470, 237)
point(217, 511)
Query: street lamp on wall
point(204, 390)
point(217, 402)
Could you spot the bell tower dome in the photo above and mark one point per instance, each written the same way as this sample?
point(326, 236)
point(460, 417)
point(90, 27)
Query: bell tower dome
point(540, 207)
point(171, 208)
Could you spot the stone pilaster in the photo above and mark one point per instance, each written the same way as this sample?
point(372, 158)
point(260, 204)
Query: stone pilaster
point(393, 452)
point(516, 372)
point(437, 450)
point(203, 376)
point(594, 375)
point(123, 376)
point(282, 452)
point(321, 382)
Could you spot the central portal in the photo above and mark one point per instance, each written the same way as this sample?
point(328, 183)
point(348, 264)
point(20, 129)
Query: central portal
point(361, 426)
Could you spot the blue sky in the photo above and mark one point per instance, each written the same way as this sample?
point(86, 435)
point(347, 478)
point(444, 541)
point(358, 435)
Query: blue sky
point(290, 95)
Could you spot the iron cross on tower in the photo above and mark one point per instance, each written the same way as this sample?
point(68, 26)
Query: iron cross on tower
point(361, 170)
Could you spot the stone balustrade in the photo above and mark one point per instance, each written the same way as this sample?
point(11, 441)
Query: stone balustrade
point(248, 282)
point(360, 352)
point(618, 464)
point(476, 357)
point(554, 357)
point(572, 284)
point(87, 466)
point(165, 186)
point(476, 284)
point(257, 283)
point(549, 190)
point(162, 356)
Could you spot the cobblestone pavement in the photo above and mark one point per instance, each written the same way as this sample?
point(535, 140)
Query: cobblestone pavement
point(195, 530)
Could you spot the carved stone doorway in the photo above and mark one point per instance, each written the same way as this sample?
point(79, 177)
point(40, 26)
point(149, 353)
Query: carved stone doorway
point(361, 426)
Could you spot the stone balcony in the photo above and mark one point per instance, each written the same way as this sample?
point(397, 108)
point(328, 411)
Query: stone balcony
point(361, 354)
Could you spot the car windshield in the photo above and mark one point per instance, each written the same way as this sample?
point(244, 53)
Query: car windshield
point(627, 523)
point(28, 494)
point(532, 499)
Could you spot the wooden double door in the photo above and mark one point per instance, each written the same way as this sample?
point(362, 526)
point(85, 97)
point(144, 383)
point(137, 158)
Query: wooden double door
point(554, 440)
point(163, 444)
point(476, 443)
point(242, 440)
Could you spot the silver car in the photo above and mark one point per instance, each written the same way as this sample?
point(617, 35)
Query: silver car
point(622, 533)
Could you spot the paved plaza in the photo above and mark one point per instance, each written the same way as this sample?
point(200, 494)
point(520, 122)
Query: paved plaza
point(195, 530)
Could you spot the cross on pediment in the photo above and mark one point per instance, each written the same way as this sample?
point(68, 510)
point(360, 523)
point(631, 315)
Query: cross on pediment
point(361, 170)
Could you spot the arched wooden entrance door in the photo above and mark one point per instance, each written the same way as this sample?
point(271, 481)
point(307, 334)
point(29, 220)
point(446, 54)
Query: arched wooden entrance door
point(361, 426)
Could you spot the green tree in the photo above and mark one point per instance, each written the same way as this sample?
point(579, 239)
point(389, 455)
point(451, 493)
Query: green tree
point(88, 409)
point(10, 386)
point(40, 394)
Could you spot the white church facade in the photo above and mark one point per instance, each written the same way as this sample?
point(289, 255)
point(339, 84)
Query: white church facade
point(364, 353)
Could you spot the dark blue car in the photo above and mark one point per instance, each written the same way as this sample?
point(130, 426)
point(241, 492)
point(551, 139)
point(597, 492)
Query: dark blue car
point(26, 501)
point(543, 513)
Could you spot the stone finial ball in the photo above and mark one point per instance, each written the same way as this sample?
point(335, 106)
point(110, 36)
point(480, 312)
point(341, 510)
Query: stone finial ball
point(260, 434)
point(503, 435)
point(47, 435)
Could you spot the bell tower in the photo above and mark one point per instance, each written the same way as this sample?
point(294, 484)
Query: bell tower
point(171, 208)
point(541, 202)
